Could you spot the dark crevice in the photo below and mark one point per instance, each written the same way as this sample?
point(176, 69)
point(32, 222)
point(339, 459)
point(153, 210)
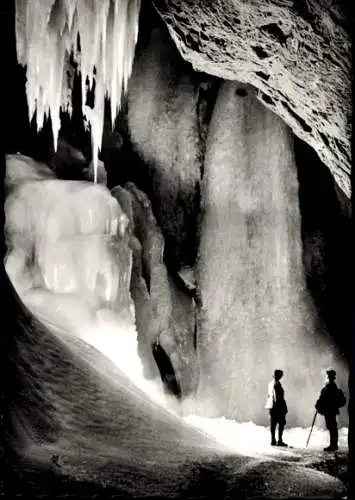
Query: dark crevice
point(241, 92)
point(221, 42)
point(274, 30)
point(300, 120)
point(180, 33)
point(324, 138)
point(195, 326)
point(260, 52)
point(193, 41)
point(310, 49)
point(325, 230)
point(166, 370)
point(207, 96)
point(181, 285)
point(262, 75)
point(267, 99)
point(204, 36)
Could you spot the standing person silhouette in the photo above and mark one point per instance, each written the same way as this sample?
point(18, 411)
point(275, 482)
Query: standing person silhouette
point(330, 400)
point(277, 407)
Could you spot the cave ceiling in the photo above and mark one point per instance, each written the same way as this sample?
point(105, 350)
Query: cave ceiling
point(296, 53)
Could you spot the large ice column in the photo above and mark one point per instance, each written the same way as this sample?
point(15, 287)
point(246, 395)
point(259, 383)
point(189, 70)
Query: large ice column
point(47, 33)
point(163, 123)
point(256, 315)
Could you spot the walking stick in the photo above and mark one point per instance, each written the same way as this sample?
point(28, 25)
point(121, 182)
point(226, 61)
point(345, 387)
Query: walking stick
point(314, 420)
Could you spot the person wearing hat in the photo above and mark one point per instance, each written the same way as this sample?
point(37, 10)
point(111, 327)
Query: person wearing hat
point(277, 407)
point(330, 400)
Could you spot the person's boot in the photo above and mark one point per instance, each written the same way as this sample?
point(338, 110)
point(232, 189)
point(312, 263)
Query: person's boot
point(280, 442)
point(333, 441)
point(332, 447)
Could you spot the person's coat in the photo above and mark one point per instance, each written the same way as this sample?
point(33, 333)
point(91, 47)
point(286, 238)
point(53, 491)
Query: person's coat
point(274, 403)
point(271, 396)
point(330, 400)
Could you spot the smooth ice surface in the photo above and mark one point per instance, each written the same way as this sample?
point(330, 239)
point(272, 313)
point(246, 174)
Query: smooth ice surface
point(108, 32)
point(256, 314)
point(72, 250)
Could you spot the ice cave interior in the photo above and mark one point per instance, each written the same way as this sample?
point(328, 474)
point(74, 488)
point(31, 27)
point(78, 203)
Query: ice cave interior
point(186, 216)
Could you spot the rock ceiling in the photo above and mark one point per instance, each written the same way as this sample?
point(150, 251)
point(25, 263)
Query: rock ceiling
point(296, 53)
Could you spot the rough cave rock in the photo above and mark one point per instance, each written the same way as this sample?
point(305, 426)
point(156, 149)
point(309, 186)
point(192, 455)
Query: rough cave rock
point(163, 311)
point(297, 54)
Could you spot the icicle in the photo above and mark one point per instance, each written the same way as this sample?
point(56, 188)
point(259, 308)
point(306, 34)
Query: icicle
point(108, 31)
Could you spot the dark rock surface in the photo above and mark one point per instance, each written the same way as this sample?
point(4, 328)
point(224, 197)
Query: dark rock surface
point(67, 161)
point(179, 341)
point(70, 163)
point(296, 53)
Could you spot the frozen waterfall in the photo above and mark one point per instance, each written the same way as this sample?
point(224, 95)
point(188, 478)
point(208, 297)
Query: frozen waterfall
point(256, 314)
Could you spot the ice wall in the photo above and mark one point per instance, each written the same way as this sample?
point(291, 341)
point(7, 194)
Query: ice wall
point(65, 238)
point(256, 315)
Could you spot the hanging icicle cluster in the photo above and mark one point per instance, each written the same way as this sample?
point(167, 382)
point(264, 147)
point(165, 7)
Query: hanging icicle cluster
point(47, 33)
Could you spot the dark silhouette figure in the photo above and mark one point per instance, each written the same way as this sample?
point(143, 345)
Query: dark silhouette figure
point(277, 407)
point(330, 400)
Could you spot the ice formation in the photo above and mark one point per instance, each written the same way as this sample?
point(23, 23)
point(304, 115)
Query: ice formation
point(47, 34)
point(257, 313)
point(70, 264)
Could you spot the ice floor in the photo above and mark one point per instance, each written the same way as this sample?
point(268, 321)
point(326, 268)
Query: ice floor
point(249, 439)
